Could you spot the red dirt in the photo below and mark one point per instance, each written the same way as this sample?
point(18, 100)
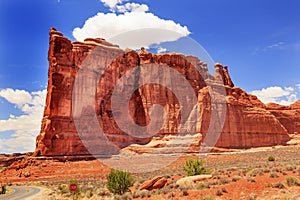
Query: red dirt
point(222, 166)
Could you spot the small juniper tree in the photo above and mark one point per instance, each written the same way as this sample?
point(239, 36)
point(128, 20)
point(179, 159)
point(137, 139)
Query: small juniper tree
point(119, 181)
point(194, 167)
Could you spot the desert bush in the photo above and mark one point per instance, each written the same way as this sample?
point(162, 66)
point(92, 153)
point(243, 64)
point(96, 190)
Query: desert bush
point(286, 197)
point(289, 168)
point(102, 192)
point(252, 196)
point(163, 190)
point(119, 181)
point(291, 181)
point(202, 185)
point(185, 193)
point(63, 188)
point(255, 172)
point(298, 171)
point(194, 167)
point(266, 170)
point(187, 185)
point(271, 158)
point(224, 181)
point(224, 190)
point(279, 170)
point(251, 180)
point(3, 189)
point(284, 173)
point(278, 185)
point(170, 196)
point(89, 194)
point(208, 198)
point(126, 196)
point(141, 194)
point(219, 193)
point(236, 178)
point(273, 175)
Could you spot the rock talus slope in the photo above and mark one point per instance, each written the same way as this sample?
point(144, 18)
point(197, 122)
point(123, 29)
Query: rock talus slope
point(248, 122)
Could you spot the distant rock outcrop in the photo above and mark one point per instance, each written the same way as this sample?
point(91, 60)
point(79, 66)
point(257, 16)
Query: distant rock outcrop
point(248, 122)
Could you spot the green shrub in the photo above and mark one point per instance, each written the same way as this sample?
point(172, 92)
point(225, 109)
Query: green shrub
point(208, 198)
point(3, 189)
point(255, 172)
point(63, 188)
point(292, 181)
point(185, 193)
point(271, 159)
point(278, 185)
point(289, 168)
point(202, 185)
point(119, 181)
point(252, 196)
point(273, 175)
point(236, 178)
point(194, 167)
point(223, 181)
point(141, 194)
point(219, 193)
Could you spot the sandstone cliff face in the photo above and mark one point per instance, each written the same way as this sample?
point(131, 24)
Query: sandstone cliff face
point(289, 116)
point(247, 115)
point(248, 122)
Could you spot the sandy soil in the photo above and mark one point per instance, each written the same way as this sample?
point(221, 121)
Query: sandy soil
point(238, 175)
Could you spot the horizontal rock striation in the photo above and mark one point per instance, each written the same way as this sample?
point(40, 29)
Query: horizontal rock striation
point(248, 122)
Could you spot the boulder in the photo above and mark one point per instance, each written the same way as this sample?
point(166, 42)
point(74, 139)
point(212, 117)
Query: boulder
point(192, 179)
point(155, 183)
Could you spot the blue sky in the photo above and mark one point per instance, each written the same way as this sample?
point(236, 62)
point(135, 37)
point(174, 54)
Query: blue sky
point(259, 40)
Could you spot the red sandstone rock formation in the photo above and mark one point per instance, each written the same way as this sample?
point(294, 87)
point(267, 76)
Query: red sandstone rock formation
point(247, 115)
point(289, 116)
point(248, 123)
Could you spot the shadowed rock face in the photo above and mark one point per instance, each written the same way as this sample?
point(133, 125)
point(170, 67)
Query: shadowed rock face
point(248, 122)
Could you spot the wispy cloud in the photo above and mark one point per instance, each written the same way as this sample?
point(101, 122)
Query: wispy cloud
point(274, 46)
point(276, 94)
point(25, 127)
point(278, 44)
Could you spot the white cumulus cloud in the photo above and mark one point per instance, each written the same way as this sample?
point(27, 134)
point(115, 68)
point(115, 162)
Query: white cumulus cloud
point(132, 7)
point(130, 18)
point(25, 127)
point(161, 50)
point(17, 97)
point(111, 3)
point(276, 94)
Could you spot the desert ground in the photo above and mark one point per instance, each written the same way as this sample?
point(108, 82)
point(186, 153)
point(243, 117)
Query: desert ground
point(243, 174)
